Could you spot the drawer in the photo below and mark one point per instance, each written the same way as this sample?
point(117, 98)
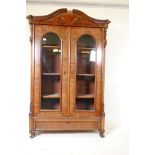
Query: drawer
point(67, 125)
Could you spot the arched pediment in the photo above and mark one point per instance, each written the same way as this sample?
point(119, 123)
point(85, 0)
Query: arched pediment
point(68, 18)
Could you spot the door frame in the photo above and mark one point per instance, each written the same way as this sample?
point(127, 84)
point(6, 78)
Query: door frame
point(97, 33)
point(62, 32)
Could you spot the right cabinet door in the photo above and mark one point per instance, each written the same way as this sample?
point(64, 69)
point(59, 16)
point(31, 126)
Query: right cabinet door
point(86, 72)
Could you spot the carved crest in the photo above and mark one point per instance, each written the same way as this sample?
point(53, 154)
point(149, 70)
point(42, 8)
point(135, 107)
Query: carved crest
point(68, 18)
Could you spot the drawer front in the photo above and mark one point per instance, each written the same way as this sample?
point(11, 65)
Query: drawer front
point(67, 125)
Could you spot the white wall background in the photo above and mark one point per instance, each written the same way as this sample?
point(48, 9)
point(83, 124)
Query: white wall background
point(117, 37)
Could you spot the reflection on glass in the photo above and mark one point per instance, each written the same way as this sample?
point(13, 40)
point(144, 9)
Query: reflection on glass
point(85, 78)
point(92, 55)
point(51, 64)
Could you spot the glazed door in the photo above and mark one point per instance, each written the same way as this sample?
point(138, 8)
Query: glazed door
point(86, 71)
point(51, 71)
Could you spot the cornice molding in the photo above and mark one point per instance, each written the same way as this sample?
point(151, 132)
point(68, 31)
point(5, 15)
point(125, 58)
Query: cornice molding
point(68, 18)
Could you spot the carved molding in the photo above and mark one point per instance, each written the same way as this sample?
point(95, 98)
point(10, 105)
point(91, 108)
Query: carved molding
point(30, 114)
point(105, 37)
point(68, 18)
point(31, 32)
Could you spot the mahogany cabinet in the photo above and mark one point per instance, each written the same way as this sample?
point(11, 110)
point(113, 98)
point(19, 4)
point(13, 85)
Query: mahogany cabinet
point(67, 72)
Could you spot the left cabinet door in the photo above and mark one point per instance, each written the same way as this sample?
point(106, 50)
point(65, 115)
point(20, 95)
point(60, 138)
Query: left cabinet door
point(51, 71)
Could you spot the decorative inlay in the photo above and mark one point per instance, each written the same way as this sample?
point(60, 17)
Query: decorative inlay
point(68, 18)
point(76, 19)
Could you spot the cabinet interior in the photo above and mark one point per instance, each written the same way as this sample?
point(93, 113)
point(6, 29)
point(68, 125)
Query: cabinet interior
point(51, 72)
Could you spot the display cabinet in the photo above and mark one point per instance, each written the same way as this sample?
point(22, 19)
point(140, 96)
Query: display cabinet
point(67, 72)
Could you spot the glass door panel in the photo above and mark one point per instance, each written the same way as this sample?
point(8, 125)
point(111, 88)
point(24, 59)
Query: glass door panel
point(85, 75)
point(51, 64)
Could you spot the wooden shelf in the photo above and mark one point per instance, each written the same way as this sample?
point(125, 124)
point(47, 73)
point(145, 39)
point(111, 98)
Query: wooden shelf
point(51, 96)
point(51, 46)
point(86, 48)
point(85, 52)
point(86, 96)
point(85, 74)
point(53, 74)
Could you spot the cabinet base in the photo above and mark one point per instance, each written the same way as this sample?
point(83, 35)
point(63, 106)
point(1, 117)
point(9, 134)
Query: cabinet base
point(32, 134)
point(101, 133)
point(67, 124)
